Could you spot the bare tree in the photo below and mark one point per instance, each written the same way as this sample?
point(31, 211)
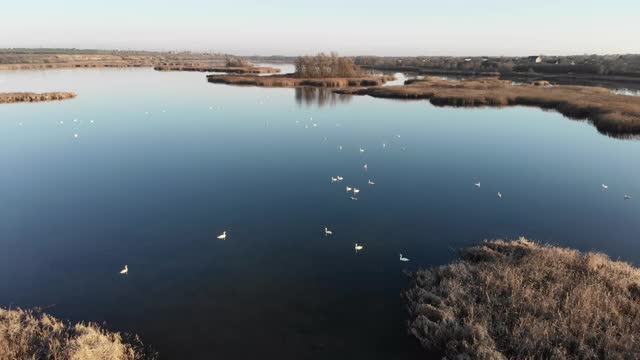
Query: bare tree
point(326, 65)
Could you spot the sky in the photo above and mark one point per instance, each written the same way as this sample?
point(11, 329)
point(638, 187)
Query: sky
point(350, 27)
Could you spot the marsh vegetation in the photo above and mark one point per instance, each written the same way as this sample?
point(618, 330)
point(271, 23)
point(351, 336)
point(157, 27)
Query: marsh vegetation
point(14, 97)
point(522, 300)
point(31, 334)
point(22, 59)
point(611, 113)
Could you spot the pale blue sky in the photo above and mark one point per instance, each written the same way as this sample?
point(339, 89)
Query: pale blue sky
point(400, 27)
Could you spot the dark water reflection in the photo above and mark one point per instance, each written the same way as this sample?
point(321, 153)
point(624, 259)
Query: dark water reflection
point(320, 97)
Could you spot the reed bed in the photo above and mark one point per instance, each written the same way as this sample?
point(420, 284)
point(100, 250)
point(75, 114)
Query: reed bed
point(522, 300)
point(31, 334)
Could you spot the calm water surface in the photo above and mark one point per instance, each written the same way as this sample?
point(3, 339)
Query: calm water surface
point(170, 161)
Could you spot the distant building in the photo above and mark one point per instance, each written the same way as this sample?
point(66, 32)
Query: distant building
point(535, 59)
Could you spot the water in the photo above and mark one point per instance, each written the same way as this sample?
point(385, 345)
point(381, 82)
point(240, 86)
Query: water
point(154, 190)
point(627, 92)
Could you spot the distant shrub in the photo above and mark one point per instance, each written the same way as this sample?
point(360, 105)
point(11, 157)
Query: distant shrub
point(26, 334)
point(232, 61)
point(521, 300)
point(323, 66)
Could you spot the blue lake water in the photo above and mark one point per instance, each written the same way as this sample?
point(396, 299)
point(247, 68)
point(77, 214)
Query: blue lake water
point(164, 162)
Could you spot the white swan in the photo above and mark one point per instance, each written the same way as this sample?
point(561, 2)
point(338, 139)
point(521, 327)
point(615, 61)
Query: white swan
point(361, 150)
point(125, 271)
point(604, 187)
point(355, 191)
point(365, 167)
point(340, 178)
point(327, 232)
point(354, 198)
point(370, 182)
point(477, 184)
point(223, 236)
point(75, 135)
point(627, 197)
point(333, 179)
point(339, 147)
point(499, 195)
point(402, 258)
point(349, 189)
point(359, 247)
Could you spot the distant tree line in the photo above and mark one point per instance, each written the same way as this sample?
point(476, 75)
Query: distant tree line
point(326, 65)
point(625, 65)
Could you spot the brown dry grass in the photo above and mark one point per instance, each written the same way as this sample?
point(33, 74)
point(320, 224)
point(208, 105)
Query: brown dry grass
point(292, 81)
point(61, 58)
point(609, 112)
point(521, 300)
point(34, 97)
point(34, 335)
point(225, 69)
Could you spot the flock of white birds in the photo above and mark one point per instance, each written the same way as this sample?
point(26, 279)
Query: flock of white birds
point(351, 190)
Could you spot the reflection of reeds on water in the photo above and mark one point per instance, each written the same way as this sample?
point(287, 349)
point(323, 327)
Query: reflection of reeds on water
point(319, 96)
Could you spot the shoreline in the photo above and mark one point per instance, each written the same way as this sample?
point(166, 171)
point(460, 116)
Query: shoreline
point(520, 299)
point(612, 114)
point(291, 81)
point(225, 69)
point(32, 334)
point(20, 97)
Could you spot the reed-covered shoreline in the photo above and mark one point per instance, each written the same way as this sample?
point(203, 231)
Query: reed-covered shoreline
point(225, 69)
point(292, 81)
point(16, 97)
point(611, 113)
point(523, 300)
point(32, 334)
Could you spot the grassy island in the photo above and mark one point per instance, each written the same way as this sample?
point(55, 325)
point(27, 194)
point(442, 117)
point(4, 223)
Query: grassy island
point(521, 300)
point(293, 81)
point(26, 334)
point(322, 70)
point(611, 113)
point(15, 97)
